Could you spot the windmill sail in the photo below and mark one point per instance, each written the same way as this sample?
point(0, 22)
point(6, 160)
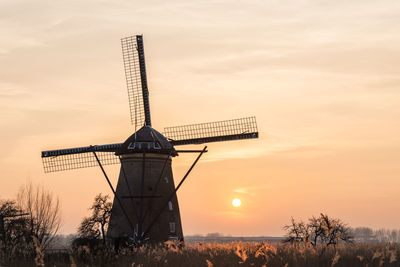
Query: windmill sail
point(136, 80)
point(243, 128)
point(79, 157)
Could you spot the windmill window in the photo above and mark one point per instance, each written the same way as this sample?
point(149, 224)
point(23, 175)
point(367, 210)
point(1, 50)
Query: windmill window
point(132, 145)
point(170, 205)
point(166, 180)
point(172, 227)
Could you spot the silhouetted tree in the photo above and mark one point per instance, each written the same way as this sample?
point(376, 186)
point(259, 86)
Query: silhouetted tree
point(322, 229)
point(334, 230)
point(88, 229)
point(297, 232)
point(44, 215)
point(95, 226)
point(14, 234)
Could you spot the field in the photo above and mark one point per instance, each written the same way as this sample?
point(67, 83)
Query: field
point(228, 254)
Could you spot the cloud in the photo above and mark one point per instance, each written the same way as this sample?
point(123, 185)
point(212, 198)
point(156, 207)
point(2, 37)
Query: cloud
point(11, 41)
point(8, 90)
point(271, 143)
point(251, 190)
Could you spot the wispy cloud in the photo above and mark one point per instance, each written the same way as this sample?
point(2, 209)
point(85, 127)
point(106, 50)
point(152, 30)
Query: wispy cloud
point(270, 144)
point(251, 190)
point(12, 90)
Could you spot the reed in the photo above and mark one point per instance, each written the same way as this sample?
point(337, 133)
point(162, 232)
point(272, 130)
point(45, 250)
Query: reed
point(217, 254)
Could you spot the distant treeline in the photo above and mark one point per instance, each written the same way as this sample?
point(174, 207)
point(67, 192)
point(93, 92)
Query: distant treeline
point(366, 234)
point(361, 234)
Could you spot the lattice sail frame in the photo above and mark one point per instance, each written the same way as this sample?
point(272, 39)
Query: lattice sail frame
point(78, 161)
point(136, 80)
point(79, 157)
point(243, 128)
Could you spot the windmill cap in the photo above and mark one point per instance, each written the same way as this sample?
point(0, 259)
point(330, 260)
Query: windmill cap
point(148, 140)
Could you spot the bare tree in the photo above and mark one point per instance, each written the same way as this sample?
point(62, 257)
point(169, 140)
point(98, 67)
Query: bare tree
point(316, 230)
point(101, 209)
point(322, 229)
point(96, 225)
point(297, 232)
point(44, 217)
point(14, 237)
point(334, 230)
point(88, 229)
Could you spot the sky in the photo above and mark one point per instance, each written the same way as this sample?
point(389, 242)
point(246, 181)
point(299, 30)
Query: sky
point(322, 78)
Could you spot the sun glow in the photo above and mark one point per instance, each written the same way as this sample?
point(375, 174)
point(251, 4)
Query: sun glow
point(236, 202)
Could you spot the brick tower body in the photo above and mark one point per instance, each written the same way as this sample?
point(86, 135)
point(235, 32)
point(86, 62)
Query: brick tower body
point(146, 190)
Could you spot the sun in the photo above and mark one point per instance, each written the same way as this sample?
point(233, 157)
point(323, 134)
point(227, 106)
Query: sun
point(236, 202)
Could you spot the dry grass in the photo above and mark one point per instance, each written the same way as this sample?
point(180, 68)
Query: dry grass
point(230, 254)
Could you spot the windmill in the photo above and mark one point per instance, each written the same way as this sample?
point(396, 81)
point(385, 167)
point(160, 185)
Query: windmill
point(145, 204)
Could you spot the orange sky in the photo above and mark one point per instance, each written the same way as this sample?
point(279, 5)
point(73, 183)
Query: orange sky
point(322, 78)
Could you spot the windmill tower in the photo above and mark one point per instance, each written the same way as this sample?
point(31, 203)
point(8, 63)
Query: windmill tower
point(145, 204)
